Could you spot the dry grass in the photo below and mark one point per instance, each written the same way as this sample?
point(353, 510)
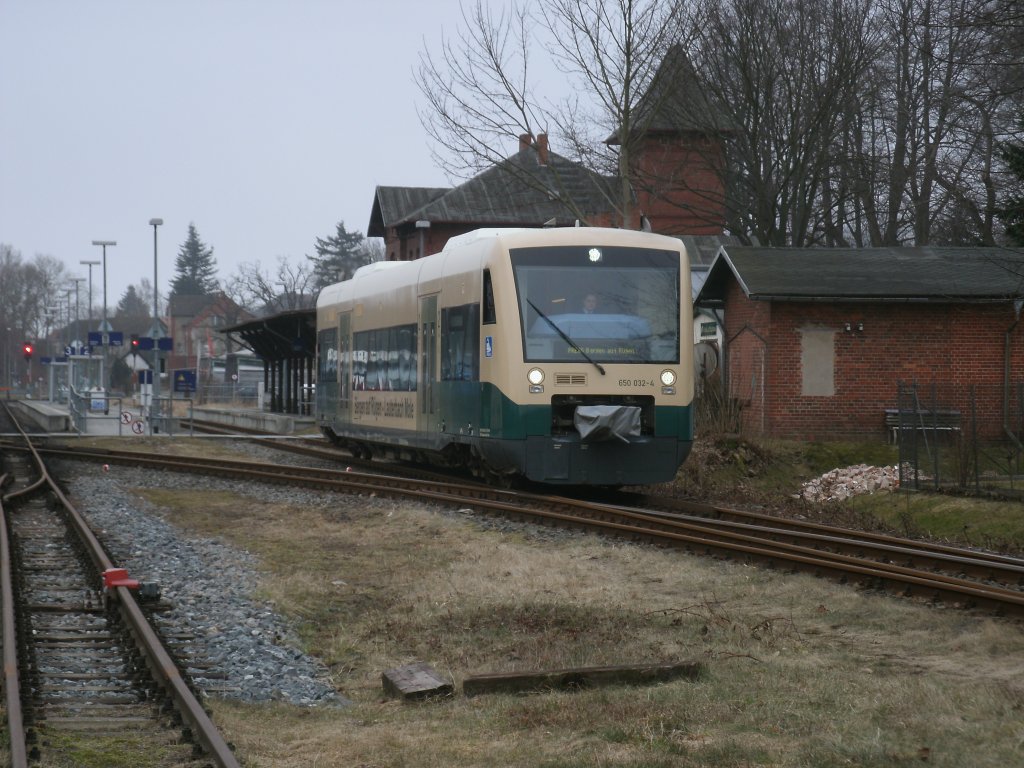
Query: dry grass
point(801, 672)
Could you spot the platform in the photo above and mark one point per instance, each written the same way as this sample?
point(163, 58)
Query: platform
point(126, 419)
point(51, 417)
point(275, 423)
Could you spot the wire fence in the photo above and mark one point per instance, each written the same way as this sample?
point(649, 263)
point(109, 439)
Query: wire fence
point(968, 437)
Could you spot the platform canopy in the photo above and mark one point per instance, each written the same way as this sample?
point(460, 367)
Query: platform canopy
point(284, 336)
point(286, 342)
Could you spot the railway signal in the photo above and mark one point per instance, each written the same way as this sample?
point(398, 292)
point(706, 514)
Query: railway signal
point(26, 348)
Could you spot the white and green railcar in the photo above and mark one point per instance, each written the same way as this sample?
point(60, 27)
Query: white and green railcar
point(561, 355)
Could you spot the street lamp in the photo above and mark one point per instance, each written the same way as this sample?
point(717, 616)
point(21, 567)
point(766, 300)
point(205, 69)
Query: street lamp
point(155, 330)
point(105, 327)
point(73, 373)
point(78, 314)
point(91, 264)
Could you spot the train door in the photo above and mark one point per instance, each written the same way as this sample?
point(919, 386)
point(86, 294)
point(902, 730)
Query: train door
point(427, 393)
point(327, 373)
point(345, 366)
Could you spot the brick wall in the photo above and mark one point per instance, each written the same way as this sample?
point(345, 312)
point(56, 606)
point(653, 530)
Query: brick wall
point(679, 184)
point(953, 345)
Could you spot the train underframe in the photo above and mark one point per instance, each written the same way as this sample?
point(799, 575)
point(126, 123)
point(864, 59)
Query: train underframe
point(564, 459)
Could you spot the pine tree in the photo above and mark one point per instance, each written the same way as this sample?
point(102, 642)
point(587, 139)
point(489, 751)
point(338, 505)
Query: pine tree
point(195, 268)
point(1012, 211)
point(338, 257)
point(131, 304)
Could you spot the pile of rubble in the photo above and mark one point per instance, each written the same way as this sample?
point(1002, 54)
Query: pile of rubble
point(845, 482)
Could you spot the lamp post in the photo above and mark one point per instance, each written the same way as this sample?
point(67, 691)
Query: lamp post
point(90, 264)
point(78, 315)
point(422, 226)
point(105, 326)
point(155, 330)
point(52, 318)
point(77, 341)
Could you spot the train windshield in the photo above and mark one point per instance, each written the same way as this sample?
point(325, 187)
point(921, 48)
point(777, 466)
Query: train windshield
point(598, 303)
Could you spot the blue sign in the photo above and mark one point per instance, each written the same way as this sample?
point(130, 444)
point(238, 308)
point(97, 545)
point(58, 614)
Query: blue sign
point(75, 349)
point(109, 339)
point(145, 343)
point(184, 381)
point(145, 377)
point(165, 344)
point(488, 346)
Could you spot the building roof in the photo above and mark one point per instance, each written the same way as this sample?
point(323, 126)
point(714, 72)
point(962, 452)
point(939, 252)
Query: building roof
point(392, 205)
point(520, 191)
point(674, 102)
point(702, 249)
point(867, 274)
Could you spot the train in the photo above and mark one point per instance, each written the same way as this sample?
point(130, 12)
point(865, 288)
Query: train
point(559, 355)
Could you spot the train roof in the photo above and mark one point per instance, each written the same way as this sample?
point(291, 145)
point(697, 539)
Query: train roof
point(385, 275)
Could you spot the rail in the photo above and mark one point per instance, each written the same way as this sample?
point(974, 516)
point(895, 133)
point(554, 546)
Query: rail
point(164, 671)
point(902, 565)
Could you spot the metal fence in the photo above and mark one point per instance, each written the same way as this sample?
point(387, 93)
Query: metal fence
point(236, 395)
point(968, 437)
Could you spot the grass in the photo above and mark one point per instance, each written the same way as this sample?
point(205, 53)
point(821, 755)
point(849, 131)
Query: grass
point(769, 473)
point(800, 672)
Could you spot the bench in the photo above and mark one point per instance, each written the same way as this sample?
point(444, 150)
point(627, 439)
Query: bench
point(938, 419)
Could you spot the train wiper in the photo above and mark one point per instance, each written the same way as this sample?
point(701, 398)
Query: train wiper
point(568, 341)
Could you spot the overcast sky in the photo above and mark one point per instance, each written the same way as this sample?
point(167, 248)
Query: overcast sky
point(264, 122)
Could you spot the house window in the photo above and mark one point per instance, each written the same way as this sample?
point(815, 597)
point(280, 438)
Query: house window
point(818, 362)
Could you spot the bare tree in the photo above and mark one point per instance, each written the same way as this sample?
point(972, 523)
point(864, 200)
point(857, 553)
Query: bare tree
point(785, 73)
point(929, 118)
point(482, 95)
point(289, 287)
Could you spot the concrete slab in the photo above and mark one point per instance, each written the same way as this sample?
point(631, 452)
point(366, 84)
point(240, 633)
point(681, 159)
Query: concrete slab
point(51, 417)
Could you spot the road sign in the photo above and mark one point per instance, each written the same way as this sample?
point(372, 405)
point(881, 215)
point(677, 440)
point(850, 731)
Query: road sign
point(184, 381)
point(106, 339)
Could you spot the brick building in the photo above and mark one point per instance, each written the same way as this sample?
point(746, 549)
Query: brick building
point(196, 324)
point(816, 340)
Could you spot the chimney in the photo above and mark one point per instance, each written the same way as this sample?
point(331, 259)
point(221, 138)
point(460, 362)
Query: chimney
point(525, 140)
point(542, 148)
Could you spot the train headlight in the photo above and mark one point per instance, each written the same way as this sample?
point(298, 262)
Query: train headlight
point(668, 381)
point(536, 378)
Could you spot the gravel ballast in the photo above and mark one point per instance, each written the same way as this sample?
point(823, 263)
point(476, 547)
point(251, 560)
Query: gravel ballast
point(242, 648)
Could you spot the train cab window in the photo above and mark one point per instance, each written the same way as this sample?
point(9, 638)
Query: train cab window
point(460, 343)
point(490, 313)
point(618, 304)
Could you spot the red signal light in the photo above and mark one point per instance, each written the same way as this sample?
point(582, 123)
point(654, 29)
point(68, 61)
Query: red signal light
point(27, 349)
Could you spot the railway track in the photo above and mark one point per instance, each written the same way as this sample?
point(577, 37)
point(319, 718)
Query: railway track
point(85, 674)
point(936, 573)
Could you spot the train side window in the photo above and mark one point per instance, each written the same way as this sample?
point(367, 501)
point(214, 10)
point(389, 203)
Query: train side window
point(385, 359)
point(490, 313)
